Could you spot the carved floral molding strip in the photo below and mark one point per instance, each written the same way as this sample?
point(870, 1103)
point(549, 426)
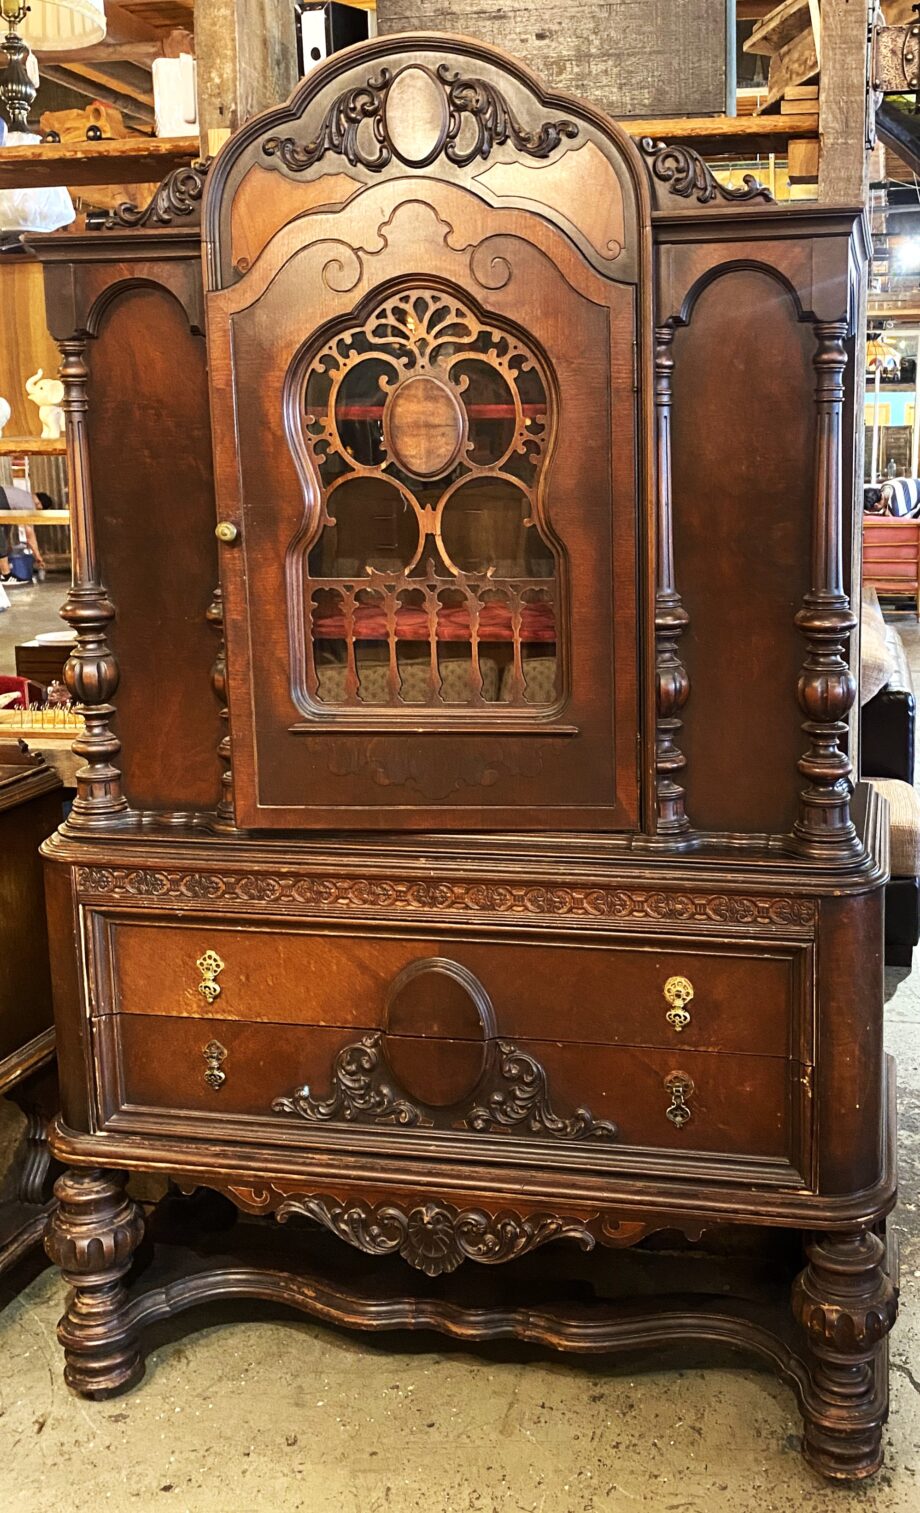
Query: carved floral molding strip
point(353, 893)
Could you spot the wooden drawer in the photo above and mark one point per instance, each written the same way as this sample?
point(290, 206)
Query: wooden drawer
point(747, 998)
point(737, 1105)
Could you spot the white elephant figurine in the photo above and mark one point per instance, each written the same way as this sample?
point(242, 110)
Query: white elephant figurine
point(5, 413)
point(48, 394)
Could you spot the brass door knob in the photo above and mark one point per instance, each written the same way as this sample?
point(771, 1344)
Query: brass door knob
point(227, 532)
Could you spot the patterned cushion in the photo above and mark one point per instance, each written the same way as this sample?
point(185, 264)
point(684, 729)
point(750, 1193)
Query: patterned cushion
point(901, 496)
point(374, 680)
point(539, 680)
point(904, 818)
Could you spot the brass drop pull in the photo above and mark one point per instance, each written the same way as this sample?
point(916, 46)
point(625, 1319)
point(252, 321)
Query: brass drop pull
point(680, 1086)
point(227, 532)
point(210, 966)
point(678, 991)
point(214, 1057)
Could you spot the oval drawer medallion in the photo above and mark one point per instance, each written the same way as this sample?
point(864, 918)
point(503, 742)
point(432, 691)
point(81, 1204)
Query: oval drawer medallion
point(439, 1022)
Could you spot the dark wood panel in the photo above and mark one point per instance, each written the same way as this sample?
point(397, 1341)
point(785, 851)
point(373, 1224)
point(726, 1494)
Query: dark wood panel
point(745, 999)
point(743, 440)
point(28, 815)
point(150, 452)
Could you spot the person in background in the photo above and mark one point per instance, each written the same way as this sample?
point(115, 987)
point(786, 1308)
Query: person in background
point(13, 498)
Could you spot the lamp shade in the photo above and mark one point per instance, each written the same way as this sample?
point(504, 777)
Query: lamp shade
point(63, 25)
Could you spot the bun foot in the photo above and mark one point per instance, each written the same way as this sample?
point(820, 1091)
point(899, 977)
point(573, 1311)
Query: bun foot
point(92, 1237)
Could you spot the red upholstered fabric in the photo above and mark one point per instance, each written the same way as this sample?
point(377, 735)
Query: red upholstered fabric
point(538, 623)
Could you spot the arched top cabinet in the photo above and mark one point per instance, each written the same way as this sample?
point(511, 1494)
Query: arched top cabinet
point(428, 293)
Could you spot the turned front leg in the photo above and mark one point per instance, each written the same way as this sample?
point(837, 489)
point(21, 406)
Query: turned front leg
point(92, 1237)
point(846, 1304)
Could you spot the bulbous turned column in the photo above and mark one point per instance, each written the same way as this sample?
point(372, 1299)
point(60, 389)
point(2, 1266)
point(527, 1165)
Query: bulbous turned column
point(92, 1236)
point(846, 1304)
point(225, 810)
point(91, 671)
point(671, 682)
point(826, 688)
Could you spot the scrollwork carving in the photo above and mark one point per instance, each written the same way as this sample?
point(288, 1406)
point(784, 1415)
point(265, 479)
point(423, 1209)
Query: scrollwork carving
point(522, 1097)
point(686, 174)
point(178, 198)
point(364, 1092)
point(436, 1237)
point(494, 122)
point(478, 119)
point(361, 1092)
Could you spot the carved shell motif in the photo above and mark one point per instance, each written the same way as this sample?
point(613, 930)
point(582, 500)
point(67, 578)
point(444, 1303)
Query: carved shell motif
point(436, 1237)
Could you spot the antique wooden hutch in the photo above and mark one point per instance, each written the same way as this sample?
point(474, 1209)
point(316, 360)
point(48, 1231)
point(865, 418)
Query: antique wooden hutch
point(487, 891)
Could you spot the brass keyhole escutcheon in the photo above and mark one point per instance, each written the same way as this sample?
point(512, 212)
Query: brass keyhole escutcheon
point(678, 991)
point(680, 1086)
point(214, 1055)
point(210, 966)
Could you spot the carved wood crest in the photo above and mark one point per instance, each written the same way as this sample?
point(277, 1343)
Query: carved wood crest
point(370, 124)
point(685, 173)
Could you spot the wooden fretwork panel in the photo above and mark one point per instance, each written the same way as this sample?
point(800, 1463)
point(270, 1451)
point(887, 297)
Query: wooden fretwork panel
point(429, 575)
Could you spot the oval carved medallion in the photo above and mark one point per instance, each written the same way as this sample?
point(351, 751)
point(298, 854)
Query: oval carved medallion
point(424, 427)
point(439, 1022)
point(416, 116)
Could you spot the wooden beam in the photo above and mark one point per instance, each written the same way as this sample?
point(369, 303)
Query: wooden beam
point(94, 89)
point(780, 27)
point(247, 59)
point(126, 160)
point(134, 85)
point(843, 177)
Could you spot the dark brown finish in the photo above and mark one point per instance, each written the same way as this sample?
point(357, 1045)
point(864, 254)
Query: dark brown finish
point(525, 491)
point(92, 1236)
point(30, 808)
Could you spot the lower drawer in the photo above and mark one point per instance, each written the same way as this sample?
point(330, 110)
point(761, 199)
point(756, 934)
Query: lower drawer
point(686, 1101)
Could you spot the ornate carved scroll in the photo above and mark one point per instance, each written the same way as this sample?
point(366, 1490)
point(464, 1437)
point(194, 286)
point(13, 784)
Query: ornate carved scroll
point(362, 1092)
point(522, 1097)
point(671, 682)
point(91, 672)
point(466, 118)
point(826, 687)
point(514, 1093)
point(177, 199)
point(686, 174)
point(436, 1237)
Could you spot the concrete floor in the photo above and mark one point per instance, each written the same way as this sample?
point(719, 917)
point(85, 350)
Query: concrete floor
point(282, 1414)
point(32, 611)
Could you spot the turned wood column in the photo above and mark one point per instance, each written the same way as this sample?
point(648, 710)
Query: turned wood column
point(826, 687)
point(92, 1236)
point(91, 671)
point(846, 1304)
point(671, 682)
point(225, 811)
